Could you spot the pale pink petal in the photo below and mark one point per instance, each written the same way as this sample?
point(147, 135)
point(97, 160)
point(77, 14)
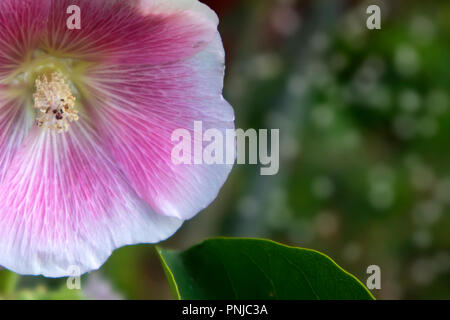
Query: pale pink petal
point(136, 109)
point(68, 200)
point(177, 6)
point(65, 206)
point(15, 123)
point(123, 32)
point(22, 23)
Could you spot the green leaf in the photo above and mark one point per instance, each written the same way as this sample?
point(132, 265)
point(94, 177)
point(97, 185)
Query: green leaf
point(228, 268)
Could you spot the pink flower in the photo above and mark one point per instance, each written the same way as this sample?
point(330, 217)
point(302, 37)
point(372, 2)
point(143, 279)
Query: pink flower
point(86, 117)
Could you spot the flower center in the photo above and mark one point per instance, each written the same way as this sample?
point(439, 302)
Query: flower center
point(54, 102)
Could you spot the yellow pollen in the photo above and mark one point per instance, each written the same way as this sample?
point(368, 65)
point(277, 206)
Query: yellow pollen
point(54, 102)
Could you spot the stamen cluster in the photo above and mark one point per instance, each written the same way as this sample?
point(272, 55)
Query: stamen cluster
point(55, 103)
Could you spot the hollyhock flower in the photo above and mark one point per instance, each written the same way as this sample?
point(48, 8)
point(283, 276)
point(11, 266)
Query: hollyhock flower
point(86, 117)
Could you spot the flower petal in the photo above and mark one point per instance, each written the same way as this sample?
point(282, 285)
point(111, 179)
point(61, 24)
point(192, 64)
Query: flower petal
point(66, 207)
point(127, 33)
point(22, 23)
point(15, 123)
point(174, 6)
point(137, 108)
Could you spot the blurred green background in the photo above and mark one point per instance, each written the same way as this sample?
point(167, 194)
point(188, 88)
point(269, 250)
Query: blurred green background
point(364, 119)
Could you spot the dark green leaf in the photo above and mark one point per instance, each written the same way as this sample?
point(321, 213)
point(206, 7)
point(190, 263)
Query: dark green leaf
point(257, 269)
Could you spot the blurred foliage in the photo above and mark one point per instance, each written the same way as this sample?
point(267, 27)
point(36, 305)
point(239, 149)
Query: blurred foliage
point(365, 164)
point(365, 172)
point(41, 290)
